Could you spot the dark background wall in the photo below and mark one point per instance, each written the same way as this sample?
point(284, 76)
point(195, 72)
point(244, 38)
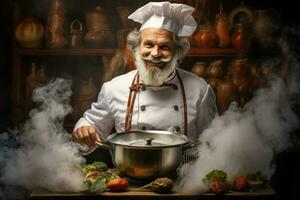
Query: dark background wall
point(5, 66)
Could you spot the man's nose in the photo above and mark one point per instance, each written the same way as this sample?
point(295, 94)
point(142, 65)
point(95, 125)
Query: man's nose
point(155, 52)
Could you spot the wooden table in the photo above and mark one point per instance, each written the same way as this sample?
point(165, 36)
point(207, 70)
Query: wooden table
point(133, 194)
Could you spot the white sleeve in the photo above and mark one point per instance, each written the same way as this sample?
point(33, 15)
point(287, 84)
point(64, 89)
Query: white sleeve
point(207, 109)
point(99, 115)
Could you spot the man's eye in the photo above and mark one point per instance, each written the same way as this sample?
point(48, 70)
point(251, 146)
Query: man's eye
point(165, 47)
point(148, 45)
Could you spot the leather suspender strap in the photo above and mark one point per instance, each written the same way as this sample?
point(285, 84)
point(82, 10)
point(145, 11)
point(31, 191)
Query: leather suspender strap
point(135, 86)
point(130, 103)
point(184, 103)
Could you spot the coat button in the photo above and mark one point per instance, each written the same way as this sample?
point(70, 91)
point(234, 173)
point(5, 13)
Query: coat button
point(176, 108)
point(177, 128)
point(143, 108)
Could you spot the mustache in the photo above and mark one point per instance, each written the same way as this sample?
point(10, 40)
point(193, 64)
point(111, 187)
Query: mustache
point(155, 60)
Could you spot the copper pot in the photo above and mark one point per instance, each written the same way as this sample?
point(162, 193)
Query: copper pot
point(99, 30)
point(206, 37)
point(223, 30)
point(238, 68)
point(226, 93)
point(215, 70)
point(199, 69)
point(55, 30)
point(240, 36)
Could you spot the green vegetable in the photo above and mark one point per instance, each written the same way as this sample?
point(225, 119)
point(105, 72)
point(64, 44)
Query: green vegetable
point(96, 185)
point(255, 185)
point(97, 176)
point(256, 181)
point(215, 175)
point(111, 177)
point(95, 166)
point(107, 176)
point(257, 177)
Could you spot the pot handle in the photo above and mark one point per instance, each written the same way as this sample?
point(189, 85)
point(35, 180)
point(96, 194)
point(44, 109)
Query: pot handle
point(191, 145)
point(104, 145)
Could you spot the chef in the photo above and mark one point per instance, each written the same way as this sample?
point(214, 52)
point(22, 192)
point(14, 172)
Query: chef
point(158, 95)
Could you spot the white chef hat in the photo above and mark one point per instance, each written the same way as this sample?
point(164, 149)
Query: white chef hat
point(173, 17)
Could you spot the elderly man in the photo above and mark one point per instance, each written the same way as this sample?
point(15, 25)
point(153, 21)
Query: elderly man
point(158, 95)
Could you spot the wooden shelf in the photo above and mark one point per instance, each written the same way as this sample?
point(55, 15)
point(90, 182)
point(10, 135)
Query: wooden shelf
point(193, 52)
point(68, 52)
point(215, 52)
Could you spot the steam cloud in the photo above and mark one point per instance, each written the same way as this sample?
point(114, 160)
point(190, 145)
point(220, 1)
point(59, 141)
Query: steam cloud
point(41, 155)
point(244, 141)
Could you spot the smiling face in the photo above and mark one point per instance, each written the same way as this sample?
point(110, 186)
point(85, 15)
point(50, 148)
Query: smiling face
point(155, 56)
point(156, 47)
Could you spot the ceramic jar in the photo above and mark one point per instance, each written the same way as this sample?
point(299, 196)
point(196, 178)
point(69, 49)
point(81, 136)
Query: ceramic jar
point(223, 30)
point(206, 37)
point(239, 38)
point(226, 93)
point(239, 75)
point(214, 74)
point(30, 33)
point(99, 30)
point(55, 30)
point(199, 69)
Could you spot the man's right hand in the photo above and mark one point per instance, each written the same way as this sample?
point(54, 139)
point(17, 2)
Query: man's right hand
point(86, 135)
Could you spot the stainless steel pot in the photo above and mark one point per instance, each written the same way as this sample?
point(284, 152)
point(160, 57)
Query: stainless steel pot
point(147, 154)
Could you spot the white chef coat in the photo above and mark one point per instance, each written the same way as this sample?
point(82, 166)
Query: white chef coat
point(155, 108)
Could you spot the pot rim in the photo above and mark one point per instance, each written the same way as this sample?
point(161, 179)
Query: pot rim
point(183, 137)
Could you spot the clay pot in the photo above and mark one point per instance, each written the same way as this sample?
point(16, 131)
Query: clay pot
point(30, 33)
point(226, 93)
point(206, 37)
point(238, 68)
point(214, 83)
point(255, 78)
point(55, 32)
point(215, 70)
point(199, 69)
point(264, 26)
point(99, 30)
point(239, 38)
point(99, 39)
point(243, 89)
point(223, 30)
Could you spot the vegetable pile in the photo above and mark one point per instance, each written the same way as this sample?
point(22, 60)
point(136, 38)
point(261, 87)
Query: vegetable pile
point(218, 183)
point(98, 178)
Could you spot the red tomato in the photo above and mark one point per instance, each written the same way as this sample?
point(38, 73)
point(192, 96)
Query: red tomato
point(119, 184)
point(240, 183)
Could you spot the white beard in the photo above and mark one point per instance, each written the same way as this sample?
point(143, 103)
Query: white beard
point(154, 76)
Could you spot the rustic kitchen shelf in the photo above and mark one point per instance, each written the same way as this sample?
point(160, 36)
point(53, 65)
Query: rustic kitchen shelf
point(111, 51)
point(214, 52)
point(66, 52)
